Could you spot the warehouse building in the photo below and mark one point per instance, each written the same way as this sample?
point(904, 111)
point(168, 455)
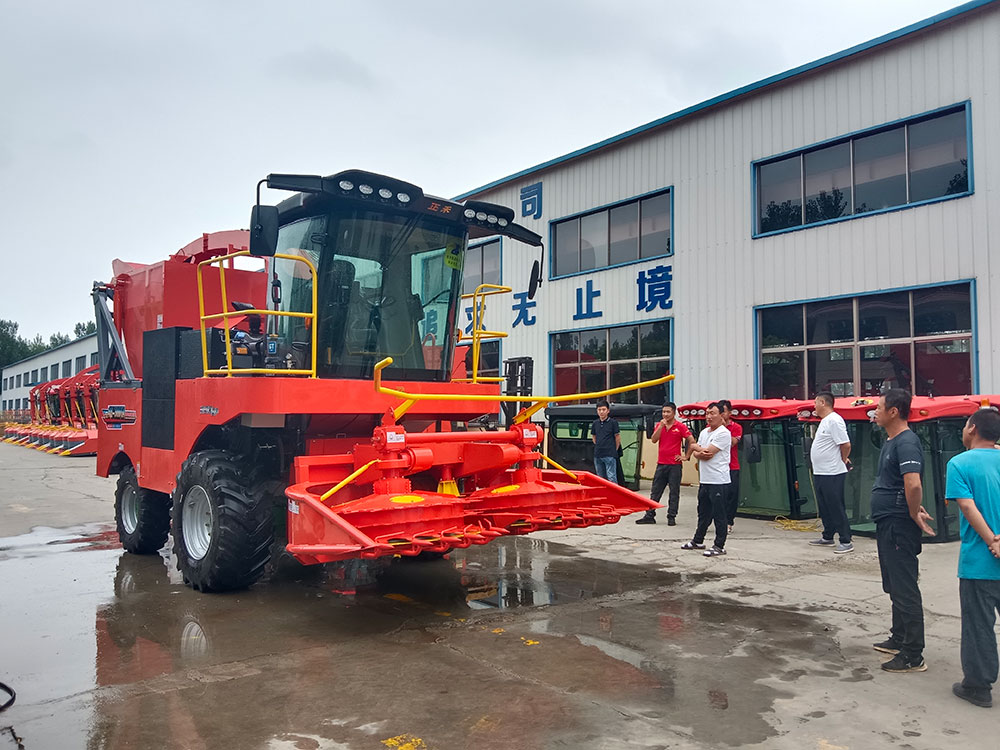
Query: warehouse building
point(17, 379)
point(828, 228)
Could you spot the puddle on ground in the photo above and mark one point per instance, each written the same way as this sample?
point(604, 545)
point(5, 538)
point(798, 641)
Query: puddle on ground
point(519, 633)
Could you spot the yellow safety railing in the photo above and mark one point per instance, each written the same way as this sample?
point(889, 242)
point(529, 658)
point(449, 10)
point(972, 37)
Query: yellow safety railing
point(225, 315)
point(479, 330)
point(537, 402)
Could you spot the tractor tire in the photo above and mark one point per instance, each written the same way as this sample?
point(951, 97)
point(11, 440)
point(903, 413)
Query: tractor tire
point(142, 516)
point(222, 532)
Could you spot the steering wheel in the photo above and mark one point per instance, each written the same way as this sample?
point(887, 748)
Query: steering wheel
point(374, 299)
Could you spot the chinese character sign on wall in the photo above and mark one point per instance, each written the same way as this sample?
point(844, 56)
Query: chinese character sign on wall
point(531, 201)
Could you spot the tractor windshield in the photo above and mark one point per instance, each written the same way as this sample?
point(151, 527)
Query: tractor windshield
point(388, 287)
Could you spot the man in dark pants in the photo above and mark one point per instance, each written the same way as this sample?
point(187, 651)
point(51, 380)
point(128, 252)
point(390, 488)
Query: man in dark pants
point(733, 493)
point(672, 437)
point(899, 520)
point(606, 435)
point(828, 456)
point(712, 451)
point(973, 480)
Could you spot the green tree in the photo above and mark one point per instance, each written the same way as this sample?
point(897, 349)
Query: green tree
point(84, 329)
point(12, 346)
point(58, 339)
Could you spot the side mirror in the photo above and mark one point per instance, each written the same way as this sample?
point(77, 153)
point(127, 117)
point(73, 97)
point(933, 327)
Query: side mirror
point(535, 280)
point(264, 230)
point(650, 420)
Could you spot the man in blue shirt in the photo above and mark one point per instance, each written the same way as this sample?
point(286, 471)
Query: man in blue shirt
point(899, 521)
point(973, 480)
point(607, 440)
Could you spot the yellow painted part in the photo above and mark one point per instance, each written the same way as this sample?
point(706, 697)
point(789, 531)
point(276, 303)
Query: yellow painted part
point(405, 742)
point(403, 408)
point(508, 488)
point(406, 499)
point(225, 315)
point(537, 402)
point(66, 452)
point(564, 470)
point(448, 487)
point(350, 478)
point(398, 597)
point(479, 331)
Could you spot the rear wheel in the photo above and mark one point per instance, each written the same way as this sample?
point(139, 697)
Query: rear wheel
point(142, 516)
point(222, 531)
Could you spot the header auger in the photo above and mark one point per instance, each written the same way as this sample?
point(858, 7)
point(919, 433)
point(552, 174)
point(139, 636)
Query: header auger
point(310, 365)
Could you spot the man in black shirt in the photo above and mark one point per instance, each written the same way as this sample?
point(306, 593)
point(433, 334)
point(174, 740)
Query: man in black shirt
point(607, 440)
point(899, 521)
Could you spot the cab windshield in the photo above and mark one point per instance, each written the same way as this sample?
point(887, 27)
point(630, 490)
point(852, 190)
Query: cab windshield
point(388, 287)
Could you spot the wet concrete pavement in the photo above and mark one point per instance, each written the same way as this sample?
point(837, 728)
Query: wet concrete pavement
point(599, 638)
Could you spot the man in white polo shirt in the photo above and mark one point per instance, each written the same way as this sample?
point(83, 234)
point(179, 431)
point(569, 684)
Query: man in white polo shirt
point(712, 451)
point(829, 456)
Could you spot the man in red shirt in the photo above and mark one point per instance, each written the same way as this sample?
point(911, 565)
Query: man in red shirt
point(736, 430)
point(672, 437)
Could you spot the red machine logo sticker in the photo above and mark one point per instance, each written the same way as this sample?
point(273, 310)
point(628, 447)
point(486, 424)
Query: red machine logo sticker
point(116, 416)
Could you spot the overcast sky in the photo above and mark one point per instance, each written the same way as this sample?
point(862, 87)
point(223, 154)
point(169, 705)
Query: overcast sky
point(128, 128)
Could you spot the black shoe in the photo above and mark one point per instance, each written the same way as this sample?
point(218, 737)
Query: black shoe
point(981, 697)
point(646, 519)
point(671, 521)
point(888, 646)
point(903, 663)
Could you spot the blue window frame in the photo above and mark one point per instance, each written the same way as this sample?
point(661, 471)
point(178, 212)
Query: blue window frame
point(594, 359)
point(905, 163)
point(618, 234)
point(919, 338)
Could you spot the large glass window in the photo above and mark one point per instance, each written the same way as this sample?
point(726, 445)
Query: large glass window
point(594, 360)
point(631, 231)
point(482, 266)
point(920, 340)
point(880, 171)
point(919, 160)
point(385, 288)
point(939, 163)
point(828, 182)
point(779, 188)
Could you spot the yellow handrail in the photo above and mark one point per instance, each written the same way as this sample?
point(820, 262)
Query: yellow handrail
point(537, 402)
point(479, 331)
point(347, 480)
point(225, 315)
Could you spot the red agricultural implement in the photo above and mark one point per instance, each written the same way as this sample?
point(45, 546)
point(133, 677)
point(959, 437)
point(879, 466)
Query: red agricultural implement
point(306, 367)
point(63, 416)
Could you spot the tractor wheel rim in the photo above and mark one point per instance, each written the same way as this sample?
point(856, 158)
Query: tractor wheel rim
point(196, 522)
point(130, 510)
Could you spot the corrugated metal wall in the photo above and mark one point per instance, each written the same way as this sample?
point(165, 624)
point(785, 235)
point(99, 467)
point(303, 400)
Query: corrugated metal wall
point(720, 273)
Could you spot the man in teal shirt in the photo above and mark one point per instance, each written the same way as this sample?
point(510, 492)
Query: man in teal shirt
point(974, 482)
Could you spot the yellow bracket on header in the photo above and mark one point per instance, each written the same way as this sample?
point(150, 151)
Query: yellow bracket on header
point(537, 402)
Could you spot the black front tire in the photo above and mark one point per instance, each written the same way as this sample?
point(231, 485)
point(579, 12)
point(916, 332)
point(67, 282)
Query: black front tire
point(142, 516)
point(222, 531)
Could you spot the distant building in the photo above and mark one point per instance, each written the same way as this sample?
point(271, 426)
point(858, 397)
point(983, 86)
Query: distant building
point(827, 228)
point(19, 378)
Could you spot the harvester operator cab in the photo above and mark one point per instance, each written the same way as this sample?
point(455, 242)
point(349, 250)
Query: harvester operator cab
point(387, 266)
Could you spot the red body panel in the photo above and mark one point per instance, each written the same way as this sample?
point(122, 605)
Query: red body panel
point(202, 402)
point(922, 408)
point(751, 409)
